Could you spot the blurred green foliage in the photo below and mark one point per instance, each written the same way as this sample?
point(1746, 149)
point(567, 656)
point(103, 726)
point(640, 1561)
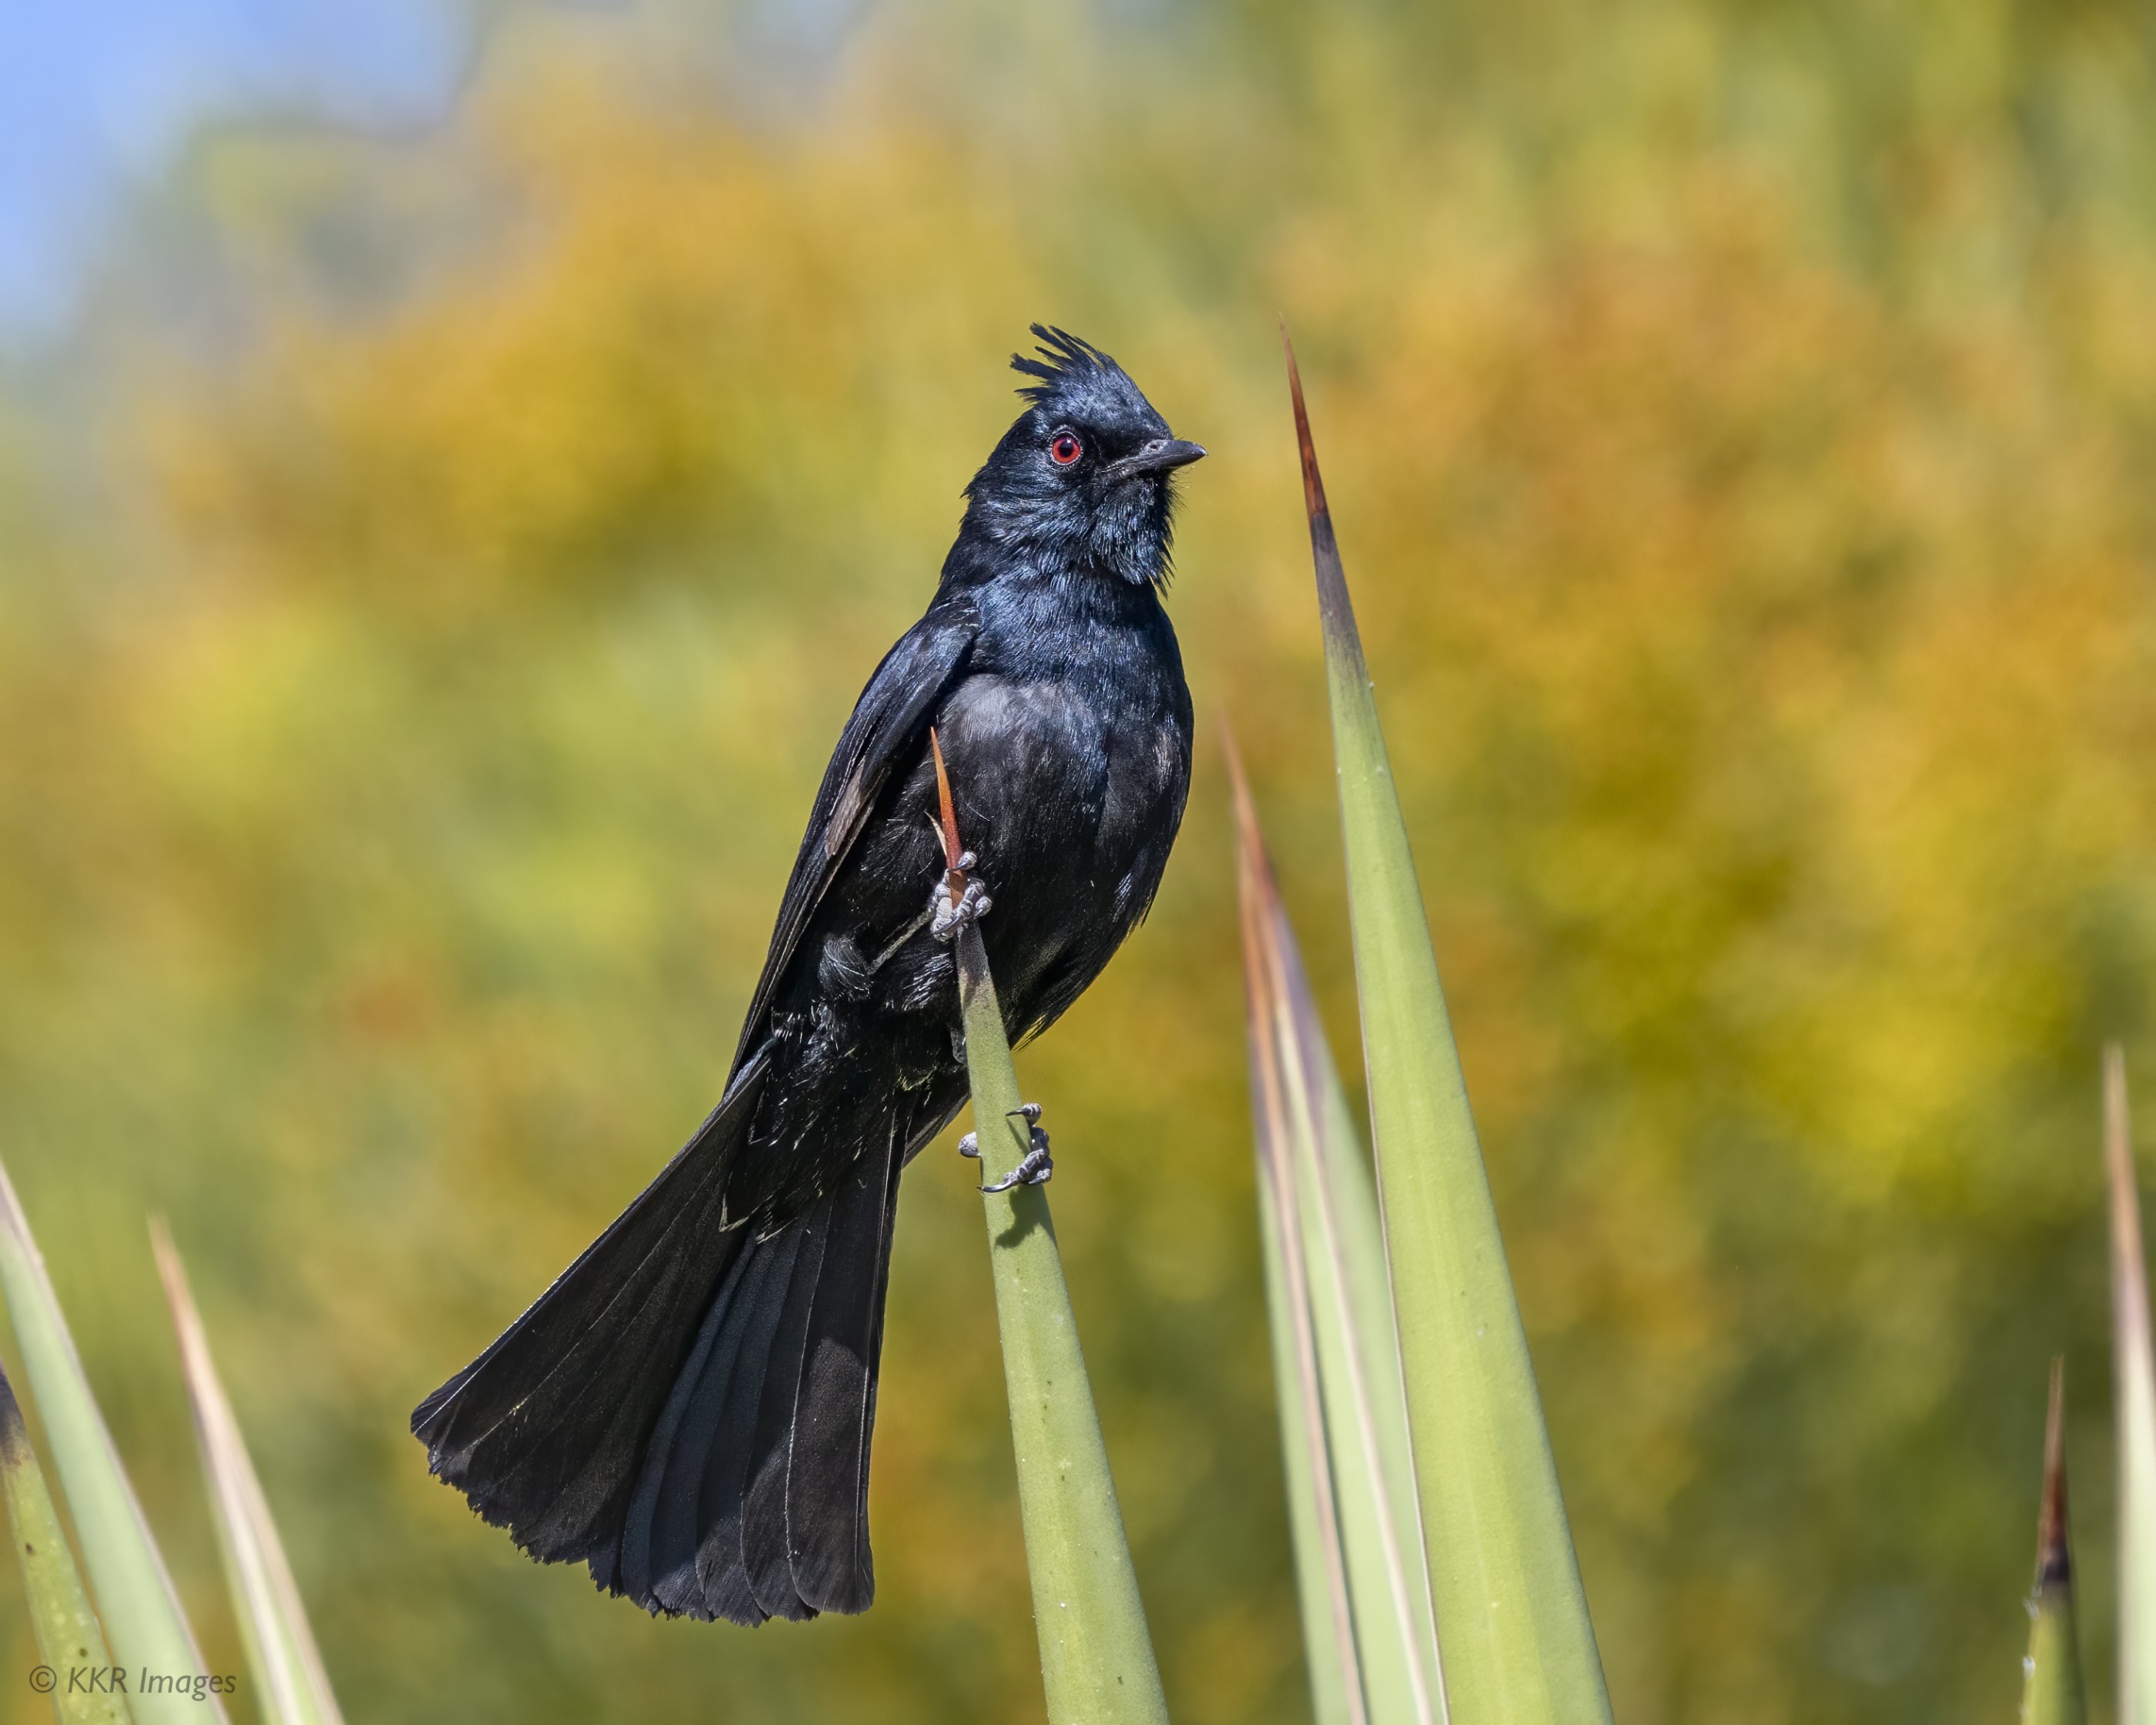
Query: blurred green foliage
point(437, 569)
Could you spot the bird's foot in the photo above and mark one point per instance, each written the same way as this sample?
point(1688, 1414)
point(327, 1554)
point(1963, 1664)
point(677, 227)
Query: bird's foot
point(1035, 1167)
point(969, 1145)
point(945, 918)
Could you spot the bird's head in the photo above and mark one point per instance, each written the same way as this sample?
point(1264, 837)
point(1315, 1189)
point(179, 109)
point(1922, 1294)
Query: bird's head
point(1084, 479)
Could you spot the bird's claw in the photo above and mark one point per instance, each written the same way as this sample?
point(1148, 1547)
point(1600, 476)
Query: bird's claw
point(945, 918)
point(969, 1145)
point(1035, 1167)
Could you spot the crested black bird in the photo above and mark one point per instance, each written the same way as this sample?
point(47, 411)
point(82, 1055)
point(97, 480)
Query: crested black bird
point(688, 1408)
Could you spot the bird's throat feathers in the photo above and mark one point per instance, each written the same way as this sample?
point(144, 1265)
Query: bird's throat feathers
point(1127, 538)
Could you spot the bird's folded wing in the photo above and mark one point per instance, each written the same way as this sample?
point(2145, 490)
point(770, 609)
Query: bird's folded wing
point(886, 729)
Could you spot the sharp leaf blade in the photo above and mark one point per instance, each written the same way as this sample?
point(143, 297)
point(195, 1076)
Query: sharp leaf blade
point(2051, 1693)
point(69, 1638)
point(2136, 1389)
point(1096, 1659)
point(1517, 1644)
point(136, 1600)
point(287, 1668)
point(1337, 1680)
point(1350, 1307)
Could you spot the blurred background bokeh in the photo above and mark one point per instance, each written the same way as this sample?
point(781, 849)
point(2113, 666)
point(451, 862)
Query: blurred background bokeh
point(457, 466)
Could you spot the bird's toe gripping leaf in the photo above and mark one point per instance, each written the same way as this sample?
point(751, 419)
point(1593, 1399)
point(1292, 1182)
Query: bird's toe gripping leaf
point(946, 916)
point(1035, 1167)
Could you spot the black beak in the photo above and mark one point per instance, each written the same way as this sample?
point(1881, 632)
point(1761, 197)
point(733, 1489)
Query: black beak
point(1158, 456)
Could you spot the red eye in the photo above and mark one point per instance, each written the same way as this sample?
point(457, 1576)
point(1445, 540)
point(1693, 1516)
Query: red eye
point(1065, 449)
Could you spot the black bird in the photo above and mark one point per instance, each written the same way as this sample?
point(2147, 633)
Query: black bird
point(688, 1408)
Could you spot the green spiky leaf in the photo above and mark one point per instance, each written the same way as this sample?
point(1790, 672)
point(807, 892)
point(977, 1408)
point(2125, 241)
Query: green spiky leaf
point(1336, 1259)
point(289, 1675)
point(1096, 1659)
point(2051, 1692)
point(136, 1600)
point(69, 1639)
point(2136, 1385)
point(1513, 1624)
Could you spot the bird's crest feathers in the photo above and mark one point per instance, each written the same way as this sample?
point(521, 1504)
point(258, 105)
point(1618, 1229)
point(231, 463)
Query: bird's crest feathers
point(1064, 360)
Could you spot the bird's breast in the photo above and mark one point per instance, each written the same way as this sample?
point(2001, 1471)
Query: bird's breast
point(1063, 786)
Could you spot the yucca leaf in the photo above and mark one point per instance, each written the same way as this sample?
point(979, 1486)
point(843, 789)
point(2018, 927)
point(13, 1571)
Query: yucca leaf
point(288, 1669)
point(1328, 1629)
point(136, 1600)
point(2136, 1392)
point(1512, 1616)
point(1329, 1626)
point(1348, 1242)
point(1302, 1122)
point(1353, 1194)
point(69, 1639)
point(1096, 1659)
point(2052, 1683)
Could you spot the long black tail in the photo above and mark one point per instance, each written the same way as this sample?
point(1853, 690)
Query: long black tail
point(688, 1408)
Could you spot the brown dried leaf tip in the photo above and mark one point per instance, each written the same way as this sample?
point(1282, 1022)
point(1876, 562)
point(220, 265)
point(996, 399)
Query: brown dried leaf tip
point(1314, 486)
point(954, 877)
point(1335, 613)
point(2055, 1558)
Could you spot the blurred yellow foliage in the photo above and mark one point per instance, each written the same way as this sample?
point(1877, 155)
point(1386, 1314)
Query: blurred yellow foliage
point(1738, 420)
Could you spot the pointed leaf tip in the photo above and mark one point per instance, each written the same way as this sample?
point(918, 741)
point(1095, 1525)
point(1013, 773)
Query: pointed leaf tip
point(1313, 484)
point(1250, 841)
point(2052, 1692)
point(1234, 758)
point(286, 1663)
point(2129, 1271)
point(2054, 1562)
point(2135, 1379)
point(953, 849)
point(1336, 614)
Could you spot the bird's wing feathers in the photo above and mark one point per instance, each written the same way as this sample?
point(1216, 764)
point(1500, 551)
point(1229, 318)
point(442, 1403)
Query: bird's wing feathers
point(894, 710)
